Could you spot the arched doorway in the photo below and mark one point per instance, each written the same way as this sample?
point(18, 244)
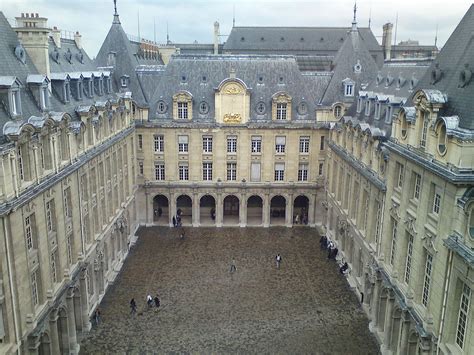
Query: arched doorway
point(277, 211)
point(300, 210)
point(207, 210)
point(254, 211)
point(184, 210)
point(160, 210)
point(231, 210)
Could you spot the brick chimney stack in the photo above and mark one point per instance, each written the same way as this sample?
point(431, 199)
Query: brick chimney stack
point(78, 39)
point(56, 35)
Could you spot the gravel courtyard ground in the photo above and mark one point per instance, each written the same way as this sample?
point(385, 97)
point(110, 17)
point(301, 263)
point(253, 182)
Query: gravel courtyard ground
point(305, 307)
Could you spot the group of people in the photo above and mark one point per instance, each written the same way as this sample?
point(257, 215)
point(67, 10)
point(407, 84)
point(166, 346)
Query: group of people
point(177, 221)
point(303, 219)
point(327, 244)
point(150, 301)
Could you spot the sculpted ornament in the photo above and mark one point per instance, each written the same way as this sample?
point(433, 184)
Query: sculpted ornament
point(395, 211)
point(232, 90)
point(429, 240)
point(232, 118)
point(410, 225)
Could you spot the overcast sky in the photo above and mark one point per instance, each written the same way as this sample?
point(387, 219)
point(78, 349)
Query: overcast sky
point(190, 20)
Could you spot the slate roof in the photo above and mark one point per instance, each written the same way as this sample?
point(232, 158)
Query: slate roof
point(456, 56)
point(393, 85)
point(260, 73)
point(11, 66)
point(63, 65)
point(352, 52)
point(125, 61)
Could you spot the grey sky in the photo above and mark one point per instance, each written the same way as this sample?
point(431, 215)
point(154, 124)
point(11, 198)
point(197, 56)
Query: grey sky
point(190, 20)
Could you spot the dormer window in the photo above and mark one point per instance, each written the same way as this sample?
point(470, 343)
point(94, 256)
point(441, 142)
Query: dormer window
point(108, 85)
point(44, 97)
point(80, 89)
point(388, 114)
point(124, 81)
point(378, 107)
point(281, 106)
point(281, 111)
point(182, 106)
point(67, 91)
point(90, 88)
point(348, 87)
point(367, 108)
point(15, 102)
point(111, 59)
point(359, 104)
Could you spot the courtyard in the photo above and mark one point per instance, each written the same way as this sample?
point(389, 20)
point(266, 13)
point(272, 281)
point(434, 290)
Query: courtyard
point(305, 306)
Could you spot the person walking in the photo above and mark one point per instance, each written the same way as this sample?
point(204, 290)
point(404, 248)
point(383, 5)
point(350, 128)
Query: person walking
point(133, 306)
point(278, 260)
point(157, 301)
point(149, 301)
point(97, 316)
point(233, 267)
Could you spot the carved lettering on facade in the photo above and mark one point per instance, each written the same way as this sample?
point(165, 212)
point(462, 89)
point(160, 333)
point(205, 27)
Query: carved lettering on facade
point(232, 118)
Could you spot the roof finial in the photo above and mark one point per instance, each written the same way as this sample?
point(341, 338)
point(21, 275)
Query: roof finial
point(354, 21)
point(167, 34)
point(116, 16)
point(370, 15)
point(233, 18)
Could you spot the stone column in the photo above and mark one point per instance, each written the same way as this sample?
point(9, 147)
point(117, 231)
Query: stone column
point(172, 208)
point(404, 333)
point(312, 210)
point(266, 211)
point(53, 332)
point(34, 342)
point(86, 324)
point(243, 211)
point(219, 210)
point(71, 324)
point(388, 320)
point(289, 211)
point(375, 303)
point(196, 212)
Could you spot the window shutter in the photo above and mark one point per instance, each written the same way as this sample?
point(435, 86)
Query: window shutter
point(255, 172)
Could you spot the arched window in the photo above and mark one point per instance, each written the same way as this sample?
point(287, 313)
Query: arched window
point(404, 125)
point(442, 139)
point(471, 223)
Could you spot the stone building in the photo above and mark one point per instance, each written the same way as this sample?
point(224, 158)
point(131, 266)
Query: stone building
point(67, 198)
point(251, 132)
point(400, 173)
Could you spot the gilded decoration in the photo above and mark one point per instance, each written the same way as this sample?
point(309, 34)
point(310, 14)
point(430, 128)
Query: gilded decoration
point(232, 90)
point(232, 118)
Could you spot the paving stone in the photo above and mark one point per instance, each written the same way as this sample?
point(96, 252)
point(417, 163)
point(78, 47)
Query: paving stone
point(304, 307)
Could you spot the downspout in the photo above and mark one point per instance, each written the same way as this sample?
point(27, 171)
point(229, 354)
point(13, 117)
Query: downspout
point(449, 267)
point(12, 288)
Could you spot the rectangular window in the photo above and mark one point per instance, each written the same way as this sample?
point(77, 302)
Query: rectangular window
point(280, 142)
point(436, 203)
point(400, 172)
point(281, 111)
point(160, 171)
point(256, 144)
point(29, 232)
point(183, 143)
point(182, 110)
point(255, 172)
point(50, 216)
point(159, 144)
point(424, 130)
point(367, 107)
point(67, 203)
point(349, 90)
point(69, 249)
point(207, 144)
point(393, 250)
point(321, 169)
point(207, 171)
point(388, 114)
point(303, 172)
point(140, 168)
point(21, 168)
point(231, 144)
point(378, 216)
point(54, 267)
point(427, 279)
point(378, 107)
point(365, 202)
point(34, 288)
point(279, 172)
point(140, 141)
point(304, 144)
point(417, 187)
point(463, 316)
point(231, 171)
point(409, 259)
point(183, 172)
point(321, 145)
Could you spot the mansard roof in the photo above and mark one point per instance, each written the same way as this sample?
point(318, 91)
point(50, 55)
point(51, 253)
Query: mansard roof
point(353, 53)
point(297, 40)
point(70, 58)
point(263, 75)
point(450, 72)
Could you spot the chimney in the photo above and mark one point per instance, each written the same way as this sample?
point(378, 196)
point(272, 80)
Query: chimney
point(387, 40)
point(33, 33)
point(216, 37)
point(78, 40)
point(56, 35)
